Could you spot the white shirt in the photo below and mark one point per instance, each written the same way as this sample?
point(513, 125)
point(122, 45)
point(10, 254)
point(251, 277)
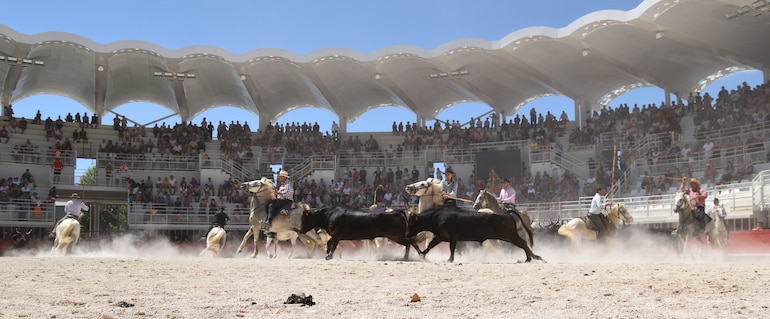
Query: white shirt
point(507, 195)
point(597, 204)
point(713, 210)
point(74, 206)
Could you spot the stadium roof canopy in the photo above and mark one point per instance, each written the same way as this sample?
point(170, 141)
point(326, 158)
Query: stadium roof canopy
point(678, 45)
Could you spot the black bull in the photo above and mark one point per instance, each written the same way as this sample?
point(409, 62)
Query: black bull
point(346, 224)
point(452, 224)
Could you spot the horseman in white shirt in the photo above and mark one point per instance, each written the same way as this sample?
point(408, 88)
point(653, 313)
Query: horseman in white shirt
point(284, 198)
point(507, 196)
point(71, 210)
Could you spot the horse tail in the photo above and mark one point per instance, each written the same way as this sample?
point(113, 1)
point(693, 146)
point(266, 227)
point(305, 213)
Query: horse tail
point(527, 227)
point(66, 233)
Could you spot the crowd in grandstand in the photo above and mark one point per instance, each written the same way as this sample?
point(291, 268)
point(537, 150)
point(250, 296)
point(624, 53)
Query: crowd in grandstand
point(360, 188)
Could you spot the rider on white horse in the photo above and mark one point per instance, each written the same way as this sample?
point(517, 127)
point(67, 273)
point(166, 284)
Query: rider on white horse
point(507, 196)
point(220, 220)
point(697, 197)
point(449, 187)
point(596, 212)
point(71, 210)
point(715, 210)
point(284, 198)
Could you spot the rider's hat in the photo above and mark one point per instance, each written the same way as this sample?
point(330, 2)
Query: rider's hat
point(694, 181)
point(75, 195)
point(506, 180)
point(449, 170)
point(283, 173)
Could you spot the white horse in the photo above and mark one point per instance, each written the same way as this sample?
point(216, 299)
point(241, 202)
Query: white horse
point(215, 242)
point(717, 233)
point(67, 235)
point(286, 227)
point(577, 231)
point(262, 192)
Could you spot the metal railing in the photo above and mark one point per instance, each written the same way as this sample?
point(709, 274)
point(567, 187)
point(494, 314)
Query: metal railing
point(313, 163)
point(737, 198)
point(25, 213)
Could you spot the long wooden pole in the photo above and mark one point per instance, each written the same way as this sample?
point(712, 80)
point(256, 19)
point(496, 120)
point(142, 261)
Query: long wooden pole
point(665, 177)
point(614, 162)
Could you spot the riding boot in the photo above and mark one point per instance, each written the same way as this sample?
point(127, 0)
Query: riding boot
point(53, 231)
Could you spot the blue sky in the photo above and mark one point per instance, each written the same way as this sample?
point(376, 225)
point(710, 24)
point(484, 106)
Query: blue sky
point(306, 26)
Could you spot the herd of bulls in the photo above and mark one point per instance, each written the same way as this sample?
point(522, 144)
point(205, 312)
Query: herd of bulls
point(447, 223)
point(444, 222)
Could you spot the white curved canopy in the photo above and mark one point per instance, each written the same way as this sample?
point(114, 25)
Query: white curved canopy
point(677, 45)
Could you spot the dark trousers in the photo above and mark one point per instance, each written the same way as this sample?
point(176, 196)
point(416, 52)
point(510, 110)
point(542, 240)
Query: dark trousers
point(701, 217)
point(598, 220)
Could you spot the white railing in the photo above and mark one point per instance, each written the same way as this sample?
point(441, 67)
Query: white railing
point(737, 199)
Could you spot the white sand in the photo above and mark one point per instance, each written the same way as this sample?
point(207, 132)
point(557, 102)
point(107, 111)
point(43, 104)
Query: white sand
point(163, 281)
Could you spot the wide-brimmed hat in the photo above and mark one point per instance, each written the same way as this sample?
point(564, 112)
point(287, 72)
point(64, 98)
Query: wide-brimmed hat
point(75, 195)
point(505, 180)
point(694, 181)
point(283, 173)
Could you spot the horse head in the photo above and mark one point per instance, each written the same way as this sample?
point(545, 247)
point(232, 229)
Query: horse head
point(620, 213)
point(681, 203)
point(262, 190)
point(486, 199)
point(427, 188)
point(420, 188)
point(260, 185)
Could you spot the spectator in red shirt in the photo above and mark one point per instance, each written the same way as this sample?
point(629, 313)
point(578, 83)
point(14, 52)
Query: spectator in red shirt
point(57, 168)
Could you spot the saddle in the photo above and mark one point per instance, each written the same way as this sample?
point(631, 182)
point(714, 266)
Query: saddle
point(590, 223)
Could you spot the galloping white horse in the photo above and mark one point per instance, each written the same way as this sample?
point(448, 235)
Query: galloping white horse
point(577, 231)
point(67, 235)
point(717, 233)
point(262, 191)
point(286, 227)
point(215, 242)
point(688, 224)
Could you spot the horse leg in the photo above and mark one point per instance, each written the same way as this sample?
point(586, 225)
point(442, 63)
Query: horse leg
point(268, 241)
point(245, 238)
point(293, 239)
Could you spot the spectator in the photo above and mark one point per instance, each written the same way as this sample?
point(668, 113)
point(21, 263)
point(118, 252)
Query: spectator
point(4, 134)
point(58, 166)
